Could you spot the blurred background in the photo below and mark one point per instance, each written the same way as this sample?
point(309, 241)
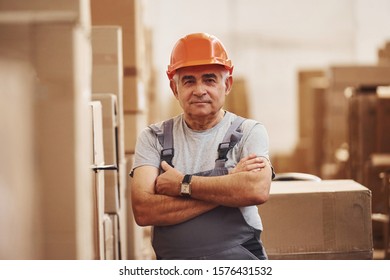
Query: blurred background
point(269, 42)
point(81, 78)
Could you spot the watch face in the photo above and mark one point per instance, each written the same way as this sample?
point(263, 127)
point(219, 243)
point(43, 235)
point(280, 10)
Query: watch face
point(185, 189)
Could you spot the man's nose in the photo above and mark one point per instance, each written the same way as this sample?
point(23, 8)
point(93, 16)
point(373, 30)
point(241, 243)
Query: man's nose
point(199, 89)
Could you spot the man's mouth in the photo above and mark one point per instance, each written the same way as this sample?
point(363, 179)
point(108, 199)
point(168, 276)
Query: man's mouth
point(200, 102)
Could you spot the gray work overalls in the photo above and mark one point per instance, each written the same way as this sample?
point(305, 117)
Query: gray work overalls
point(221, 233)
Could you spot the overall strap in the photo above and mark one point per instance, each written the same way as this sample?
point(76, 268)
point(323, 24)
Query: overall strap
point(231, 138)
point(165, 137)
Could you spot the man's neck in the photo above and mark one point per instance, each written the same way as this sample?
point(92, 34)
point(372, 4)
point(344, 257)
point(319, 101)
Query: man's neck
point(200, 124)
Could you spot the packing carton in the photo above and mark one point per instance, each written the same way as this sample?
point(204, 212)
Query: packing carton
point(336, 107)
point(98, 160)
point(107, 71)
point(111, 151)
point(52, 39)
point(330, 219)
point(109, 237)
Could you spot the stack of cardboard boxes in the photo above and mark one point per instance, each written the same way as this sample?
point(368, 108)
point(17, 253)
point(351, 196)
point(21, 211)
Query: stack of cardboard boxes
point(98, 178)
point(311, 93)
point(126, 14)
point(107, 81)
point(121, 67)
point(46, 48)
point(344, 126)
point(368, 127)
point(68, 151)
point(323, 118)
point(336, 111)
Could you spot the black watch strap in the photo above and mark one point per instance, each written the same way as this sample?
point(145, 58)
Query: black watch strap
point(187, 178)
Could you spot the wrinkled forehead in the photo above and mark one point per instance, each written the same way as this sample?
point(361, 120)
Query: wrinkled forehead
point(201, 70)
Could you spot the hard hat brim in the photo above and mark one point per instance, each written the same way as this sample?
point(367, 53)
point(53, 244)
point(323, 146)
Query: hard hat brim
point(181, 64)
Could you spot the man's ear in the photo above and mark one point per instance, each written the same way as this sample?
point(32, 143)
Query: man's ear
point(173, 86)
point(228, 84)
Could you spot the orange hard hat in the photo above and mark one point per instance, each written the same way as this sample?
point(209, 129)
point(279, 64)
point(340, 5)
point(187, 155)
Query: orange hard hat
point(198, 49)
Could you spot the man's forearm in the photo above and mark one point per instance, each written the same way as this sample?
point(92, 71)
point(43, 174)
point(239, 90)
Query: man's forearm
point(234, 190)
point(162, 210)
point(151, 208)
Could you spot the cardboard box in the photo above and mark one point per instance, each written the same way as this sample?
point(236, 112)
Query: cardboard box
point(98, 212)
point(111, 191)
point(19, 203)
point(107, 74)
point(61, 125)
point(311, 96)
point(53, 39)
point(136, 46)
point(114, 180)
point(373, 171)
point(110, 126)
point(368, 128)
point(305, 99)
point(118, 255)
point(97, 132)
point(362, 118)
point(98, 161)
point(330, 219)
point(121, 13)
point(317, 153)
point(383, 124)
point(110, 142)
point(124, 201)
point(374, 166)
point(340, 77)
point(79, 8)
point(109, 239)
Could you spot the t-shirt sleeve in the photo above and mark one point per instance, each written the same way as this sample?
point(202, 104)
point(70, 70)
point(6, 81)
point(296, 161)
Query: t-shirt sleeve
point(147, 149)
point(257, 142)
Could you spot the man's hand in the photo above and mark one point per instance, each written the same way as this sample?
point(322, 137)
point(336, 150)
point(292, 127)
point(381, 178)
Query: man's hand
point(249, 163)
point(168, 183)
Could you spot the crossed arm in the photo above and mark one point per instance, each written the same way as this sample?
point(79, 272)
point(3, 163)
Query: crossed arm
point(156, 198)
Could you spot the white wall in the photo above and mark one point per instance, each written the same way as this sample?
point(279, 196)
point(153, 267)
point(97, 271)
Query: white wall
point(268, 41)
point(372, 28)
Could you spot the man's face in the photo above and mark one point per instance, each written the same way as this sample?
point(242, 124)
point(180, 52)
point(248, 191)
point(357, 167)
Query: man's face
point(201, 90)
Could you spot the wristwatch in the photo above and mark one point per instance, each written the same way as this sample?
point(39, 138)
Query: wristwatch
point(185, 187)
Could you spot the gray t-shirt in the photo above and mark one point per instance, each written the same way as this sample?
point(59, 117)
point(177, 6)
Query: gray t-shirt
point(196, 151)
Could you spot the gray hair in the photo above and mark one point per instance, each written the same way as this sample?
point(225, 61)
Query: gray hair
point(224, 73)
